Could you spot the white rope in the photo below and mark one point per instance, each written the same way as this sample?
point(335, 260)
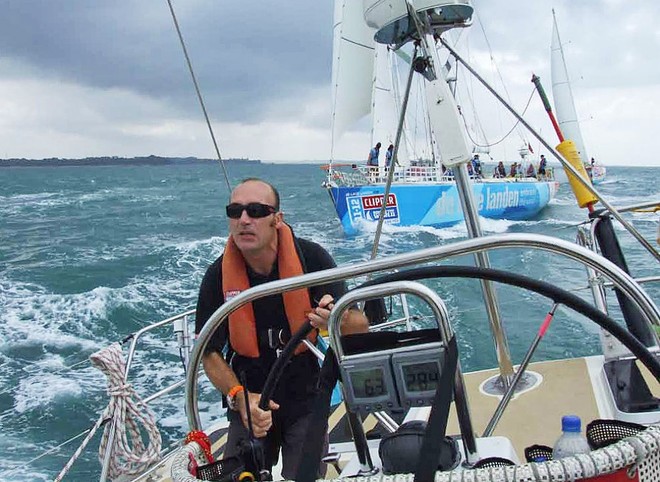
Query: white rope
point(123, 409)
point(122, 413)
point(629, 452)
point(80, 449)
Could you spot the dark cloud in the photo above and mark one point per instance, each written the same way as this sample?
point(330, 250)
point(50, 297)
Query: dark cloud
point(115, 71)
point(243, 53)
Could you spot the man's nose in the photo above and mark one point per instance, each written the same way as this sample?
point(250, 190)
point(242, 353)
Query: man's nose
point(244, 217)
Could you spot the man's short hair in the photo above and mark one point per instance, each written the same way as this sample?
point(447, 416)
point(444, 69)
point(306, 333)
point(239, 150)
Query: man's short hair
point(272, 188)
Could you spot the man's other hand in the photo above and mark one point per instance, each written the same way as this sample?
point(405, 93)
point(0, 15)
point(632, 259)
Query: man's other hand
point(261, 420)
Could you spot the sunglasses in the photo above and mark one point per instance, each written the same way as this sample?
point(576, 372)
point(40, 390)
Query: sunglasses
point(254, 210)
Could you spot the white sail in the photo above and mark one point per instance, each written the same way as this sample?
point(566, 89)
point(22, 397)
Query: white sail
point(386, 104)
point(352, 66)
point(562, 94)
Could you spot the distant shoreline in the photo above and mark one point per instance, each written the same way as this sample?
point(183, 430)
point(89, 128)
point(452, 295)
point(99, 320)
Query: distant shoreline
point(116, 161)
point(164, 161)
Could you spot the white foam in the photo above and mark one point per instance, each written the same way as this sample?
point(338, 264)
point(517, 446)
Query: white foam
point(19, 203)
point(198, 254)
point(497, 225)
point(623, 200)
point(559, 222)
point(12, 463)
point(28, 198)
point(390, 231)
point(568, 201)
point(43, 389)
point(610, 180)
point(32, 316)
point(455, 231)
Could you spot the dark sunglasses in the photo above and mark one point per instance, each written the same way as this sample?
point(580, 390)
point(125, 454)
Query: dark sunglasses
point(254, 210)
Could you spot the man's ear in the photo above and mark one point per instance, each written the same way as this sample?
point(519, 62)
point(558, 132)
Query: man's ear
point(278, 219)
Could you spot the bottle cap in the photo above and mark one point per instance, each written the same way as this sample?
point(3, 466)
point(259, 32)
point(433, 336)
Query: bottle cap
point(571, 423)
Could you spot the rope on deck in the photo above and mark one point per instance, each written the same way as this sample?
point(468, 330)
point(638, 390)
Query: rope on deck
point(639, 453)
point(124, 422)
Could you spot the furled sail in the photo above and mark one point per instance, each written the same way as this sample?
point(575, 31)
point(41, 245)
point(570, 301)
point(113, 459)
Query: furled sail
point(352, 66)
point(562, 94)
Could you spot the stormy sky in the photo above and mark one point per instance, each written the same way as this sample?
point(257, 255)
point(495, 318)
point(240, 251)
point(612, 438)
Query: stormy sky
point(81, 78)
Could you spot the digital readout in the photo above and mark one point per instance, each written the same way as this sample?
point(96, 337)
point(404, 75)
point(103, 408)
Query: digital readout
point(421, 377)
point(368, 383)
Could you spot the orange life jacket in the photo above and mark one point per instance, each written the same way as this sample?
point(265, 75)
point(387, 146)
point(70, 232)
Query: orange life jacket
point(297, 304)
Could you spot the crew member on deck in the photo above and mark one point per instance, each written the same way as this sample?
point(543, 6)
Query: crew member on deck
point(530, 170)
point(372, 160)
point(476, 166)
point(542, 164)
point(261, 247)
point(514, 170)
point(388, 155)
point(500, 170)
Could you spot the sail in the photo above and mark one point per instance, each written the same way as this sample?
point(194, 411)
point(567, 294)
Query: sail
point(352, 66)
point(562, 94)
point(386, 103)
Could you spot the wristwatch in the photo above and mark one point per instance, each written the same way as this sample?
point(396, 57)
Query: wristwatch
point(231, 396)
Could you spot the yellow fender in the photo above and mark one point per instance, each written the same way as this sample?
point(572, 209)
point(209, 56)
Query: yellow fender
point(569, 151)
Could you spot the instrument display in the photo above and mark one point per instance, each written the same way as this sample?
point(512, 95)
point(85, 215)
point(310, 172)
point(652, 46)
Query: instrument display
point(368, 383)
point(421, 377)
point(393, 379)
point(417, 374)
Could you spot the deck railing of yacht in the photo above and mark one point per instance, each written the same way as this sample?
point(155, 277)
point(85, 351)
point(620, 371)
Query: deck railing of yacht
point(364, 175)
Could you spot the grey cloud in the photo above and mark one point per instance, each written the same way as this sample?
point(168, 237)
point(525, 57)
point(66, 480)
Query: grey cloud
point(244, 53)
point(602, 38)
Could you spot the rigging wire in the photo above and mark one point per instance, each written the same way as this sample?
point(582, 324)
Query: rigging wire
point(50, 451)
point(505, 135)
point(521, 133)
point(469, 90)
point(199, 94)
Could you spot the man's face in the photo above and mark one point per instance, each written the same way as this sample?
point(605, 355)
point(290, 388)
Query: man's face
point(254, 235)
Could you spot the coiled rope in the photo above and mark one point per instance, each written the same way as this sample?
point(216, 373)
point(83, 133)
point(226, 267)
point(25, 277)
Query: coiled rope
point(125, 420)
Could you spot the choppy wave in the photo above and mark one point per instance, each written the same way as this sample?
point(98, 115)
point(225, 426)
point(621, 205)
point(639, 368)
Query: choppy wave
point(92, 256)
point(33, 316)
point(559, 201)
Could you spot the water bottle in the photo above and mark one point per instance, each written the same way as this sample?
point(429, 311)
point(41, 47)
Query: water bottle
point(571, 441)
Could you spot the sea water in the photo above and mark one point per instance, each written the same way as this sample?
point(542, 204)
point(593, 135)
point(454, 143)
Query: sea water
point(91, 254)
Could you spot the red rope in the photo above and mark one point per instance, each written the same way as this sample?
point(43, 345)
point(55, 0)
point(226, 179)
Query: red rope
point(202, 440)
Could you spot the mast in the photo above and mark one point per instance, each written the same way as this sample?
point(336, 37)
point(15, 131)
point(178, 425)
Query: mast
point(401, 23)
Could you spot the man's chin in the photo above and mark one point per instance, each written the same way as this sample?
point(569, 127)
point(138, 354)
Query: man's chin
point(247, 243)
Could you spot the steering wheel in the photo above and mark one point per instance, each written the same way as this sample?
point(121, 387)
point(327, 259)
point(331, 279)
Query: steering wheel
point(556, 294)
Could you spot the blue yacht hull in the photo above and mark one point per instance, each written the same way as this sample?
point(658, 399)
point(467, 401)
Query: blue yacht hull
point(438, 204)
